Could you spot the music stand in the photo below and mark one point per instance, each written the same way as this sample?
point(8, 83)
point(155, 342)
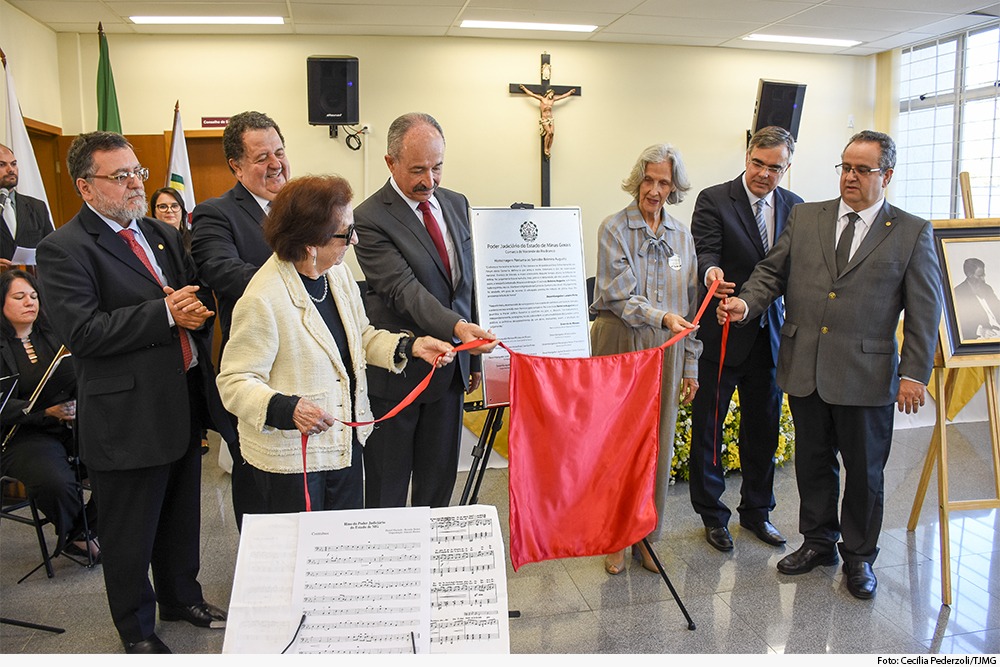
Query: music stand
point(7, 386)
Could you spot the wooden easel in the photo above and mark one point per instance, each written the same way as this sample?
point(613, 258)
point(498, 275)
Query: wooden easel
point(945, 374)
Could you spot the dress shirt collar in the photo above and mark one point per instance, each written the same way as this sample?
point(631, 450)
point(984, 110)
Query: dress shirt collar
point(435, 208)
point(867, 216)
point(752, 198)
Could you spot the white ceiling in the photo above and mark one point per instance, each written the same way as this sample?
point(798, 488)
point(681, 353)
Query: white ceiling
point(878, 24)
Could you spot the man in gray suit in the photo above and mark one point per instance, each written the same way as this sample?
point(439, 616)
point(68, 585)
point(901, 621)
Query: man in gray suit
point(847, 268)
point(415, 249)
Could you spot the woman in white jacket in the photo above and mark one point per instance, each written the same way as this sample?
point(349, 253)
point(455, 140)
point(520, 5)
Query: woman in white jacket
point(296, 357)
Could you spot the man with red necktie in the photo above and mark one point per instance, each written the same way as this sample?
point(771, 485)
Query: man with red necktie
point(415, 249)
point(132, 314)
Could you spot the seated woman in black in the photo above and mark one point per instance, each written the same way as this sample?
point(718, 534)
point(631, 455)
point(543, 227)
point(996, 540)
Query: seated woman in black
point(38, 452)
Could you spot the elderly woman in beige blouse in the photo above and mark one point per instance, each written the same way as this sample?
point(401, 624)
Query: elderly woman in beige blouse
point(296, 357)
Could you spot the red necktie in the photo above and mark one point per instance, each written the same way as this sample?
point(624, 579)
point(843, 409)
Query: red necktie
point(129, 237)
point(432, 228)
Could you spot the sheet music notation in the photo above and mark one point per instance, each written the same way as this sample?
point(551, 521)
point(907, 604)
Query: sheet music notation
point(399, 580)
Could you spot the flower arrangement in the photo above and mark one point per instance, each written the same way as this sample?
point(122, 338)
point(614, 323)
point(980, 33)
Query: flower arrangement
point(730, 437)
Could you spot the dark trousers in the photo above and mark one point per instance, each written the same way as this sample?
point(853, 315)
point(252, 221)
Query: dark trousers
point(39, 459)
point(862, 436)
point(150, 517)
point(247, 498)
point(422, 439)
point(760, 410)
point(328, 489)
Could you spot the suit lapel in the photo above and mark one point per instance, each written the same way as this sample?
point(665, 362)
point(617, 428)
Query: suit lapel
point(161, 252)
point(113, 244)
point(405, 215)
point(781, 210)
point(827, 229)
point(248, 203)
point(881, 227)
point(451, 218)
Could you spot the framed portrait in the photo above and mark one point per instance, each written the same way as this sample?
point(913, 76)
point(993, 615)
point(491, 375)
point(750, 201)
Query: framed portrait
point(969, 253)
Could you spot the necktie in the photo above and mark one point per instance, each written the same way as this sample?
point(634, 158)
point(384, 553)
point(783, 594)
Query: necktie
point(761, 225)
point(7, 213)
point(846, 239)
point(432, 228)
point(128, 236)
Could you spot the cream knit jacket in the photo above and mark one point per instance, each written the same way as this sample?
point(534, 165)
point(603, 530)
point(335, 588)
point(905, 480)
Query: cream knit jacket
point(279, 343)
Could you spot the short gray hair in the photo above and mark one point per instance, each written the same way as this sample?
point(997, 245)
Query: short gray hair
point(80, 158)
point(887, 158)
point(772, 136)
point(402, 125)
point(654, 155)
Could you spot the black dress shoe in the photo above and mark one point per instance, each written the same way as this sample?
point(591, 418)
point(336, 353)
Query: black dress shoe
point(765, 532)
point(203, 615)
point(861, 581)
point(151, 644)
point(804, 560)
point(719, 538)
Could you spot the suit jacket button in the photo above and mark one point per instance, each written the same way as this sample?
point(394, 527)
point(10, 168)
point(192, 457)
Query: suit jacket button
point(832, 295)
point(824, 330)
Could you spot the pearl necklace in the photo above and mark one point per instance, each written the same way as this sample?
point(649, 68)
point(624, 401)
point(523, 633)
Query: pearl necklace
point(326, 290)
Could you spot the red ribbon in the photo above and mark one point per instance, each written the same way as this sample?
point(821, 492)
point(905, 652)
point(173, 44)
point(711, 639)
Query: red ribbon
point(718, 388)
point(412, 396)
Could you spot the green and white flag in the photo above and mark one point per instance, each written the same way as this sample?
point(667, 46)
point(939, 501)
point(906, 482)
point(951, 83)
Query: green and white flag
point(108, 118)
point(179, 169)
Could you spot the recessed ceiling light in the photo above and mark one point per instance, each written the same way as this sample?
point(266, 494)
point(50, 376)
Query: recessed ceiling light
point(815, 41)
point(515, 25)
point(207, 20)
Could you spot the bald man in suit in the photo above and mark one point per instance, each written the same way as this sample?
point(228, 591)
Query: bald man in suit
point(25, 220)
point(418, 268)
point(847, 268)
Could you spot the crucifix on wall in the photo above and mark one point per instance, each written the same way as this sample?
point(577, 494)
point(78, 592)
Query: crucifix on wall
point(547, 95)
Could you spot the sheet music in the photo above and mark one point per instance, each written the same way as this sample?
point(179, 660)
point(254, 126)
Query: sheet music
point(366, 579)
point(261, 618)
point(469, 583)
point(362, 579)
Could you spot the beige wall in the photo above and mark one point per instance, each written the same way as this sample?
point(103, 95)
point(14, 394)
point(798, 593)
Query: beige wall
point(700, 99)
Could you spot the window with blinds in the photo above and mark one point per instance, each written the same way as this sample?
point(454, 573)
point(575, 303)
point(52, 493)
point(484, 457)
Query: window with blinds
point(949, 114)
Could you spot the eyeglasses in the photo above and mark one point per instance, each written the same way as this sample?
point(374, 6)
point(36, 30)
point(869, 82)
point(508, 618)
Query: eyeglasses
point(860, 171)
point(122, 177)
point(347, 236)
point(168, 207)
point(769, 168)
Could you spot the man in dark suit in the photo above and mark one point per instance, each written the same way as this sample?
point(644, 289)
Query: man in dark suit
point(734, 225)
point(976, 304)
point(847, 268)
point(25, 220)
point(227, 243)
point(415, 250)
point(128, 308)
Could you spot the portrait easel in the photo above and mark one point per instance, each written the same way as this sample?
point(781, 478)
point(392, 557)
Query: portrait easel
point(946, 374)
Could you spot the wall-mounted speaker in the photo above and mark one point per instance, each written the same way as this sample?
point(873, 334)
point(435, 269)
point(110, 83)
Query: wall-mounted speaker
point(779, 103)
point(333, 90)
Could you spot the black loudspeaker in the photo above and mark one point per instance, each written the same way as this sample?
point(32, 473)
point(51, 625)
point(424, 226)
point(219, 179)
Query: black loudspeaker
point(333, 90)
point(779, 103)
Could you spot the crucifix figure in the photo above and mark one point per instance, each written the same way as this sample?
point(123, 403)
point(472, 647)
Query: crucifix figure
point(547, 95)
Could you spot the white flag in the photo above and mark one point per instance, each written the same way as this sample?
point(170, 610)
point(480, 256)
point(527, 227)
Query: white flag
point(179, 169)
point(29, 179)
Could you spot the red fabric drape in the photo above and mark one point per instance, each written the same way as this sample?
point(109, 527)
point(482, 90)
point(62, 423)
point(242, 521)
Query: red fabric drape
point(583, 442)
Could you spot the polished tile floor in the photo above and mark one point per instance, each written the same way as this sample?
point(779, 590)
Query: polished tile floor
point(738, 601)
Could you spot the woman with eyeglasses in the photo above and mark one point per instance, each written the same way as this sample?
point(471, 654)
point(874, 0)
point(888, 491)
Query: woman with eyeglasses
point(299, 344)
point(167, 205)
point(646, 290)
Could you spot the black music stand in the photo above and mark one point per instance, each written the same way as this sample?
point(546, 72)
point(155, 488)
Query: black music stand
point(7, 386)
